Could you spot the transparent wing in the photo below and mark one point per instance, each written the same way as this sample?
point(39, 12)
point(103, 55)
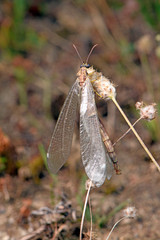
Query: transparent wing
point(109, 165)
point(61, 141)
point(93, 153)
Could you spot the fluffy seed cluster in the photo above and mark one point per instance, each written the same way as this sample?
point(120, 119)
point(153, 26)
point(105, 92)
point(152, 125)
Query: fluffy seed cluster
point(129, 212)
point(147, 112)
point(102, 85)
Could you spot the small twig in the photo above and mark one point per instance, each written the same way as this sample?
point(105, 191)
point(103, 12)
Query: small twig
point(34, 234)
point(115, 226)
point(90, 210)
point(6, 193)
point(129, 212)
point(136, 134)
point(127, 131)
point(84, 209)
point(57, 232)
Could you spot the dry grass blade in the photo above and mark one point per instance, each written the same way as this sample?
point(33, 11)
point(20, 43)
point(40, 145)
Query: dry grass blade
point(90, 210)
point(84, 209)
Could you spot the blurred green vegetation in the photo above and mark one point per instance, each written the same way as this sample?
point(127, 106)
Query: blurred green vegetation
point(115, 4)
point(21, 76)
point(82, 191)
point(53, 176)
point(3, 162)
point(102, 221)
point(15, 36)
point(151, 11)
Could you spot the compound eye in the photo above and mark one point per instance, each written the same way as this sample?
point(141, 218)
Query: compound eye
point(85, 65)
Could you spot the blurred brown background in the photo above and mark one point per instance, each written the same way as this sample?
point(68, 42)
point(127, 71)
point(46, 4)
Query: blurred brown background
point(38, 65)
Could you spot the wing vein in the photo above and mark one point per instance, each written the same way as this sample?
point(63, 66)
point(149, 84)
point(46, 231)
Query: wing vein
point(61, 141)
point(92, 149)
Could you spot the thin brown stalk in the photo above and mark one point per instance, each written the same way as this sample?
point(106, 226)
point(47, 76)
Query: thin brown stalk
point(115, 226)
point(90, 210)
point(136, 134)
point(127, 131)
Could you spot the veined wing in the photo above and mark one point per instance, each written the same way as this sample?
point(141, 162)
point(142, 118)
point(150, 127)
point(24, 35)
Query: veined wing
point(109, 165)
point(92, 148)
point(61, 141)
point(110, 155)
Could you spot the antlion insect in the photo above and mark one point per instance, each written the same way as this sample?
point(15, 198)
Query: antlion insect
point(93, 137)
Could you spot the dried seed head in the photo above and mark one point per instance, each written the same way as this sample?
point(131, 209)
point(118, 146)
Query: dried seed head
point(104, 88)
point(88, 184)
point(139, 105)
point(146, 111)
point(129, 212)
point(102, 85)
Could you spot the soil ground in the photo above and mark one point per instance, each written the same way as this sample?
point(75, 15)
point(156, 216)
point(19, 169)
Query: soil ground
point(33, 86)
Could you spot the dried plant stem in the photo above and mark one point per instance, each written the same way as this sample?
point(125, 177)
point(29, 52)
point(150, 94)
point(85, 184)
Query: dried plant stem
point(127, 131)
point(147, 72)
point(90, 210)
point(84, 209)
point(136, 134)
point(115, 226)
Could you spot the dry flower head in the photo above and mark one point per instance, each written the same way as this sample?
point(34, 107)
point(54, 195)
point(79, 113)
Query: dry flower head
point(102, 85)
point(129, 212)
point(89, 184)
point(147, 112)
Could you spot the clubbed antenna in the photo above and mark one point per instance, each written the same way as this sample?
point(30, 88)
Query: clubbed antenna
point(91, 52)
